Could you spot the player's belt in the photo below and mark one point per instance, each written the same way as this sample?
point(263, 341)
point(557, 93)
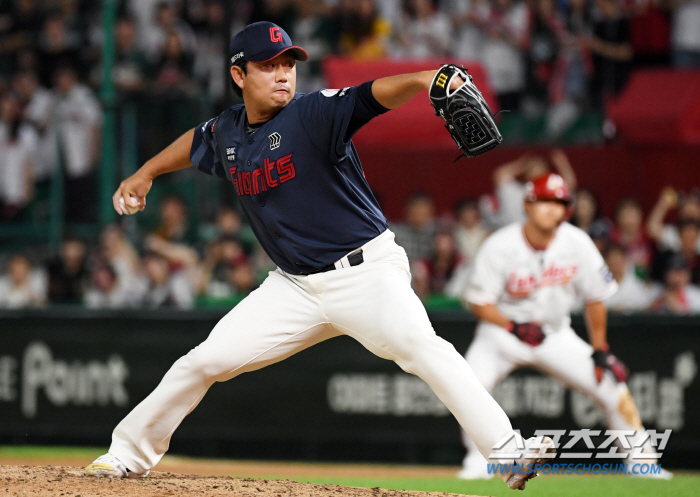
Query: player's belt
point(353, 259)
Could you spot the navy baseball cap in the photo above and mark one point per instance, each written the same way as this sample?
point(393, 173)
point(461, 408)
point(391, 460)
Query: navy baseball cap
point(262, 41)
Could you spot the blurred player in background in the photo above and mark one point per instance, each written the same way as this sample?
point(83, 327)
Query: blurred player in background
point(525, 281)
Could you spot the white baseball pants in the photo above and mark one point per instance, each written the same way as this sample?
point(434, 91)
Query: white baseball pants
point(372, 302)
point(494, 353)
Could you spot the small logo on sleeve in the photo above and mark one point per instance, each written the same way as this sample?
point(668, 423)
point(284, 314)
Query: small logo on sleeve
point(231, 153)
point(335, 92)
point(275, 140)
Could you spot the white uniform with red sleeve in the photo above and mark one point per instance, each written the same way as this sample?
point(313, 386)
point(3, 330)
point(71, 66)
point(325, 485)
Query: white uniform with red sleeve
point(542, 286)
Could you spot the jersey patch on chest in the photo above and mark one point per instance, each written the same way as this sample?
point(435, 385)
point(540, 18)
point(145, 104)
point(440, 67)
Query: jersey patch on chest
point(275, 140)
point(231, 153)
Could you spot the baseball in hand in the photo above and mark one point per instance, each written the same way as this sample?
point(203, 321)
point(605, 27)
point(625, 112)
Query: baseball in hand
point(127, 209)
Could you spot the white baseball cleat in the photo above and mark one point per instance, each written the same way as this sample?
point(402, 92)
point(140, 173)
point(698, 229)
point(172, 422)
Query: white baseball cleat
point(474, 467)
point(542, 447)
point(109, 466)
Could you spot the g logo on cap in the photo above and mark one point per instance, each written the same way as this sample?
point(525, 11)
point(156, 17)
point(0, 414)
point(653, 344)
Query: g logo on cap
point(260, 42)
point(275, 35)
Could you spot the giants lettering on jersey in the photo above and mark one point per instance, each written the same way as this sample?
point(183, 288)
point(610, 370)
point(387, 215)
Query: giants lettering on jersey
point(271, 174)
point(524, 285)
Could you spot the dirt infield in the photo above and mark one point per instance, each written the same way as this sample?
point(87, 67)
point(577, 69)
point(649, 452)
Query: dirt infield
point(51, 481)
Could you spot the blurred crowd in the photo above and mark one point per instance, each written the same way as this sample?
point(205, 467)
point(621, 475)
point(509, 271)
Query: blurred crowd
point(655, 259)
point(556, 58)
point(175, 265)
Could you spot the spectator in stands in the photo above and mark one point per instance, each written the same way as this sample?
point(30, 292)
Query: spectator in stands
point(19, 29)
point(600, 233)
point(506, 36)
point(58, 47)
point(78, 120)
point(242, 279)
point(18, 142)
point(120, 254)
point(667, 235)
point(506, 205)
point(423, 32)
point(432, 275)
point(587, 215)
point(467, 16)
point(685, 35)
point(559, 67)
point(678, 295)
point(470, 232)
point(68, 273)
point(38, 104)
point(416, 234)
point(650, 28)
point(226, 271)
point(229, 222)
point(547, 34)
point(612, 51)
point(144, 13)
point(20, 287)
point(131, 66)
point(629, 233)
point(156, 38)
point(689, 235)
point(106, 290)
point(633, 293)
point(212, 40)
point(163, 287)
point(174, 225)
point(363, 33)
point(579, 27)
point(173, 71)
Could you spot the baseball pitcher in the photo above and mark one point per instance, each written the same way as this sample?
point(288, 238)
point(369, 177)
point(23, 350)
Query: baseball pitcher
point(299, 180)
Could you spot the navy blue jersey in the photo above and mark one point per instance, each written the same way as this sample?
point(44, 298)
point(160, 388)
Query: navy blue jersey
point(298, 177)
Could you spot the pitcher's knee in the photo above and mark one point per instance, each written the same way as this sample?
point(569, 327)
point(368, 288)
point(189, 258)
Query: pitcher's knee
point(210, 365)
point(420, 348)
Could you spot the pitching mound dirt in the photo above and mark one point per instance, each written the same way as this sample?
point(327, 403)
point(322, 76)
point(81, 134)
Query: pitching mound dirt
point(56, 481)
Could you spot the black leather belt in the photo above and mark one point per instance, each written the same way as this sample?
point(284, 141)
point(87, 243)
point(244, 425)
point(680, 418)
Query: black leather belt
point(355, 260)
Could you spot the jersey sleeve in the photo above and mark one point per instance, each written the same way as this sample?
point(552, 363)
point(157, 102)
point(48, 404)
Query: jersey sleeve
point(487, 281)
point(594, 282)
point(203, 153)
point(330, 120)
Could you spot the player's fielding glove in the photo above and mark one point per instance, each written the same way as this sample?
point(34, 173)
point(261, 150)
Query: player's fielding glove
point(468, 116)
point(530, 333)
point(603, 360)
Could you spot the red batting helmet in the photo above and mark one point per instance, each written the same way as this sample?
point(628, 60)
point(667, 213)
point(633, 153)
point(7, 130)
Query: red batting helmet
point(549, 186)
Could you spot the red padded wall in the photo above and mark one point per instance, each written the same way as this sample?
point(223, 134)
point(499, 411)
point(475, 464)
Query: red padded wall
point(613, 172)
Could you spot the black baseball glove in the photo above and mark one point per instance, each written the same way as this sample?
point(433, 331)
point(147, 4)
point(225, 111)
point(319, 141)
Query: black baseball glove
point(468, 116)
point(603, 359)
